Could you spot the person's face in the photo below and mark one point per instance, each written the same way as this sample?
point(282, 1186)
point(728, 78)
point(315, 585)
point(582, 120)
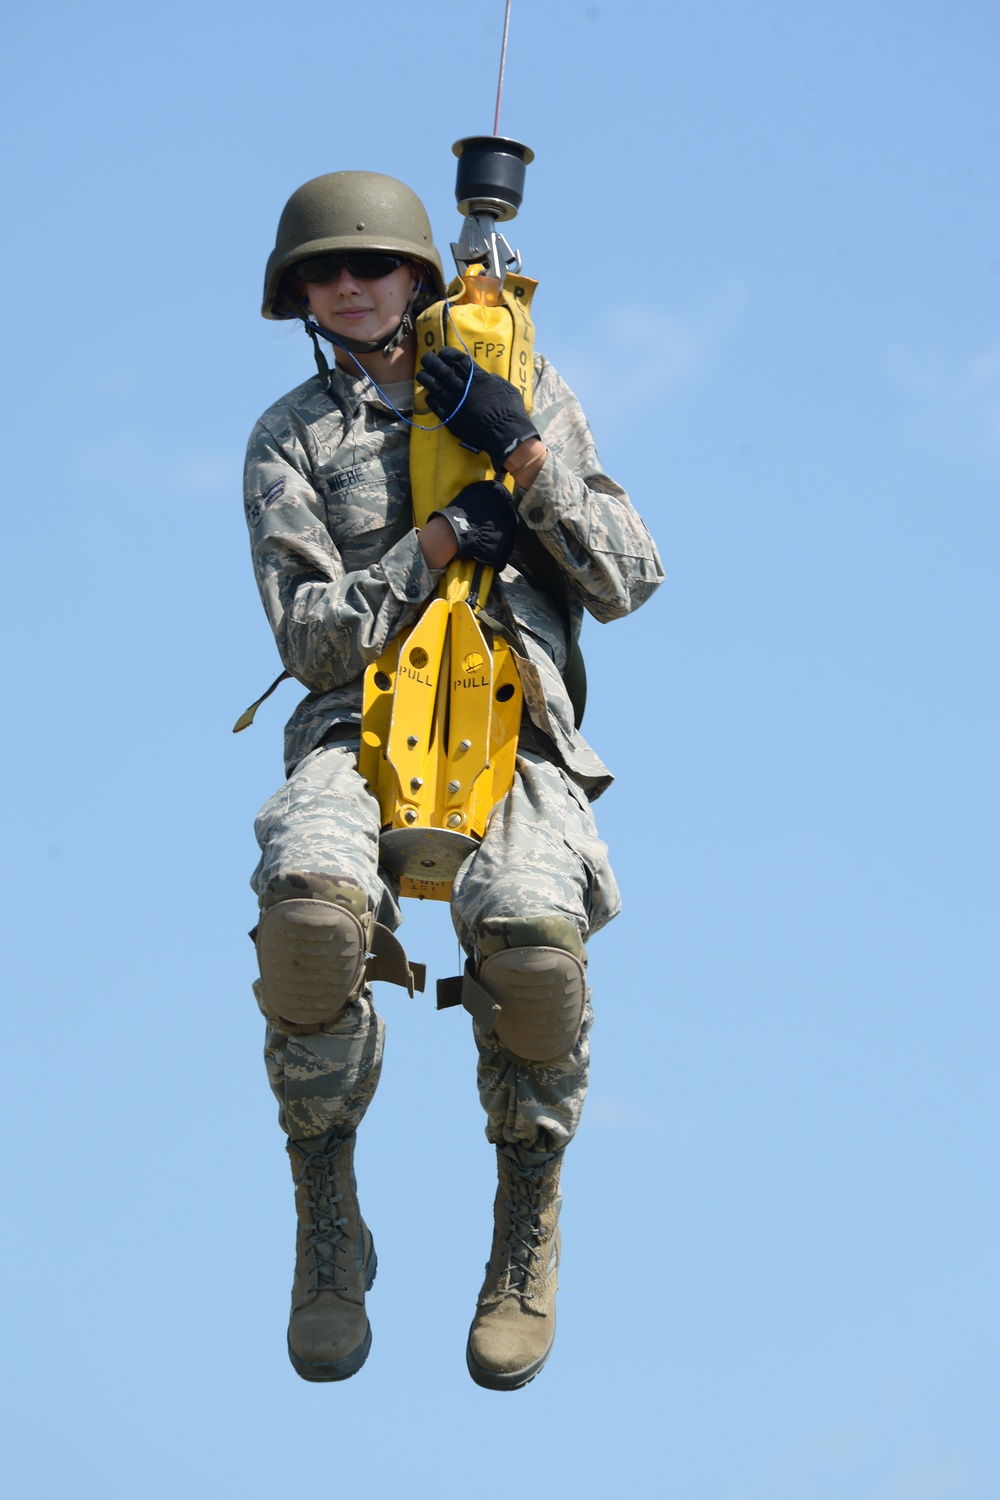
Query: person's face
point(361, 309)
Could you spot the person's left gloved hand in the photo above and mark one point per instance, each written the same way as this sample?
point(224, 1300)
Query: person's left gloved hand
point(491, 419)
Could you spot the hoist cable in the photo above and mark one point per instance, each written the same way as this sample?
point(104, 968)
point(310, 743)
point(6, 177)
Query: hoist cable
point(503, 60)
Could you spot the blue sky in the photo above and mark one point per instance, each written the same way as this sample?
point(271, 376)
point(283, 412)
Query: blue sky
point(767, 242)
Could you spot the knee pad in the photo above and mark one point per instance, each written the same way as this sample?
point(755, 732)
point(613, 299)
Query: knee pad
point(541, 994)
point(311, 951)
point(317, 944)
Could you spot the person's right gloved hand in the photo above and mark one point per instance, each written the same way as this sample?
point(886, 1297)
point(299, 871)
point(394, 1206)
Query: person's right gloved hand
point(484, 523)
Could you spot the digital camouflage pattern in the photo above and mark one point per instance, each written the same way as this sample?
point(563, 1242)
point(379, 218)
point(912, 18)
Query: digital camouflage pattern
point(534, 1105)
point(540, 876)
point(541, 866)
point(326, 1081)
point(340, 572)
point(338, 890)
point(323, 818)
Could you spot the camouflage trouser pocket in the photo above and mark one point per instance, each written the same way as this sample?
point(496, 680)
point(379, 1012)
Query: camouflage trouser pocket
point(324, 820)
point(541, 857)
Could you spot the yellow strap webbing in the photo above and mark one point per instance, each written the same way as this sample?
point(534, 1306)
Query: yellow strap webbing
point(442, 705)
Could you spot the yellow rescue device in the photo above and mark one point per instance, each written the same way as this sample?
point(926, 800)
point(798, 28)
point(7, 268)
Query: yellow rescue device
point(442, 705)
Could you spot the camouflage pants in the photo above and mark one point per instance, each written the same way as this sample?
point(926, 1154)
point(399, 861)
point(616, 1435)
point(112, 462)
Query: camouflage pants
point(541, 857)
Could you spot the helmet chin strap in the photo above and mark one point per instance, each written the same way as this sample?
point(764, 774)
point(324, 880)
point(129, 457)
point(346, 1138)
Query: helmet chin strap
point(390, 342)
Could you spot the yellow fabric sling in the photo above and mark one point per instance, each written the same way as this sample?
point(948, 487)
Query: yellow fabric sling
point(442, 705)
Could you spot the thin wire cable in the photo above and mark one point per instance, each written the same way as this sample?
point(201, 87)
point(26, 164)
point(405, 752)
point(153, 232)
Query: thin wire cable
point(331, 338)
point(503, 62)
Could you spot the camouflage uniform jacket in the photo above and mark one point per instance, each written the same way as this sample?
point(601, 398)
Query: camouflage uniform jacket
point(340, 571)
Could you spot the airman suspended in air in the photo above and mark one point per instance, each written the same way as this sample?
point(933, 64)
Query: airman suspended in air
point(347, 568)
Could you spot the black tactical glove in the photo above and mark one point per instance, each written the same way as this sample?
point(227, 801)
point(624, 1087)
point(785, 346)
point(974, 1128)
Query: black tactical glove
point(484, 523)
point(491, 419)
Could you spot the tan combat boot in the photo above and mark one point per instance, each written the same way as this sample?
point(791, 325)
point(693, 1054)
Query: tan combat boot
point(328, 1333)
point(515, 1323)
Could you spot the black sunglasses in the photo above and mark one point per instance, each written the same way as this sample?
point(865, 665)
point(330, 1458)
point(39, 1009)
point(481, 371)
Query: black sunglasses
point(361, 265)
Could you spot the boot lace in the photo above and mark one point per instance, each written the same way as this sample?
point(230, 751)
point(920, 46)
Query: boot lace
point(523, 1226)
point(325, 1235)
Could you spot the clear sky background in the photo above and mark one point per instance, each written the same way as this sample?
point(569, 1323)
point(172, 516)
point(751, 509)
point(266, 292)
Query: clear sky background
point(769, 253)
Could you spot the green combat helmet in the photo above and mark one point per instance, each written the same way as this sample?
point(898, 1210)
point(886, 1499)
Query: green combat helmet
point(343, 211)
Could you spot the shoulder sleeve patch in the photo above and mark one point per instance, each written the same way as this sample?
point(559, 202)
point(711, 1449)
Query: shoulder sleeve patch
point(256, 505)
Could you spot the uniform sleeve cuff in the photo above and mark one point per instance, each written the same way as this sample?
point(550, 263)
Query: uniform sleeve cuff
point(537, 505)
point(406, 572)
